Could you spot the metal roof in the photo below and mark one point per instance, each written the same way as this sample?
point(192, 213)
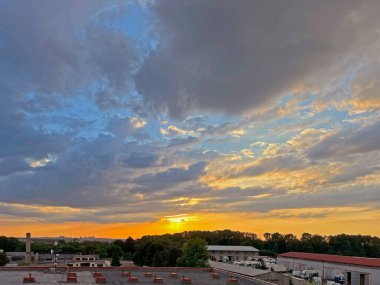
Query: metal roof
point(15, 253)
point(86, 255)
point(231, 248)
point(362, 261)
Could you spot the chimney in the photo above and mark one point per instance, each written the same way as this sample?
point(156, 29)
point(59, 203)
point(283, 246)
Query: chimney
point(28, 256)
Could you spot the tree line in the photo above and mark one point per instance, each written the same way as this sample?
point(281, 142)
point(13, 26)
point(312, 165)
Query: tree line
point(187, 248)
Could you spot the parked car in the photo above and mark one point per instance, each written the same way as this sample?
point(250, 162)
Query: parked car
point(313, 275)
point(339, 279)
point(305, 274)
point(248, 263)
point(309, 274)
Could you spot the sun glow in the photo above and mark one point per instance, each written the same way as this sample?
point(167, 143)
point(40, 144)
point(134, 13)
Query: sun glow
point(180, 219)
point(179, 222)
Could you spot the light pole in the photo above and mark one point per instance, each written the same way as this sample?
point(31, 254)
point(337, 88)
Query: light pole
point(55, 256)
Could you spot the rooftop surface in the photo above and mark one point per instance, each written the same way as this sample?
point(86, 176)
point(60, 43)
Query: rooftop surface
point(114, 277)
point(362, 261)
point(231, 248)
point(250, 271)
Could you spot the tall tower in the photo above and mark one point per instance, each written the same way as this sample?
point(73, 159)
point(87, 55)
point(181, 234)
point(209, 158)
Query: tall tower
point(28, 256)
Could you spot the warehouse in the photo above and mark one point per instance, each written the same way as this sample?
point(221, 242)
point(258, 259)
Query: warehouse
point(232, 252)
point(88, 260)
point(357, 270)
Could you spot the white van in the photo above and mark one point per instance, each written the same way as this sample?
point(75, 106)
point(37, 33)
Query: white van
point(296, 273)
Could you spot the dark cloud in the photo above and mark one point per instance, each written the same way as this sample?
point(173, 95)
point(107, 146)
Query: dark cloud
point(232, 56)
point(172, 176)
point(140, 160)
point(49, 52)
point(86, 174)
point(274, 164)
point(345, 197)
point(12, 165)
point(183, 142)
point(348, 142)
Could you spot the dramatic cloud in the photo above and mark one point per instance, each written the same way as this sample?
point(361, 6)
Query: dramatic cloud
point(126, 116)
point(172, 176)
point(349, 142)
point(232, 56)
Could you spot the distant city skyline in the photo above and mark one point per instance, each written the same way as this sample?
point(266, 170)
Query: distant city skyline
point(129, 118)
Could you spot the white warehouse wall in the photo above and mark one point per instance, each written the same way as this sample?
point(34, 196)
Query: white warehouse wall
point(329, 270)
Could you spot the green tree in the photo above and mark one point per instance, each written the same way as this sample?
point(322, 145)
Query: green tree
point(130, 245)
point(3, 259)
point(127, 256)
point(11, 244)
point(115, 259)
point(102, 252)
point(267, 252)
point(140, 256)
point(41, 247)
point(156, 251)
point(112, 248)
point(194, 253)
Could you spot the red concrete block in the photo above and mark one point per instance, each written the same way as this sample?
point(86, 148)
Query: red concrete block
point(29, 279)
point(186, 280)
point(148, 274)
point(232, 281)
point(173, 275)
point(158, 280)
point(126, 274)
point(72, 279)
point(100, 280)
point(133, 279)
point(215, 275)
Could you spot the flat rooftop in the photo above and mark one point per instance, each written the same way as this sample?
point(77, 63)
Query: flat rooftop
point(352, 260)
point(233, 248)
point(114, 277)
point(16, 277)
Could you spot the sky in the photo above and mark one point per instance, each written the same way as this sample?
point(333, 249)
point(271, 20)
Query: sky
point(127, 118)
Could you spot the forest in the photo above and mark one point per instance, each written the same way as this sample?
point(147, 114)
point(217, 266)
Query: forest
point(174, 249)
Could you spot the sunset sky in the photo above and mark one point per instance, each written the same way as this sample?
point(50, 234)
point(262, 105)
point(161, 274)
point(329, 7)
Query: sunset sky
point(125, 118)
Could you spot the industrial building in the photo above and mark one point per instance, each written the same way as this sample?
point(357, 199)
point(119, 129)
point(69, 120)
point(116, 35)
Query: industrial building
point(232, 252)
point(88, 260)
point(356, 270)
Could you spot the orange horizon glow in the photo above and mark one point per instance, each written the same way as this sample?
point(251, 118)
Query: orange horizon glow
point(337, 223)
